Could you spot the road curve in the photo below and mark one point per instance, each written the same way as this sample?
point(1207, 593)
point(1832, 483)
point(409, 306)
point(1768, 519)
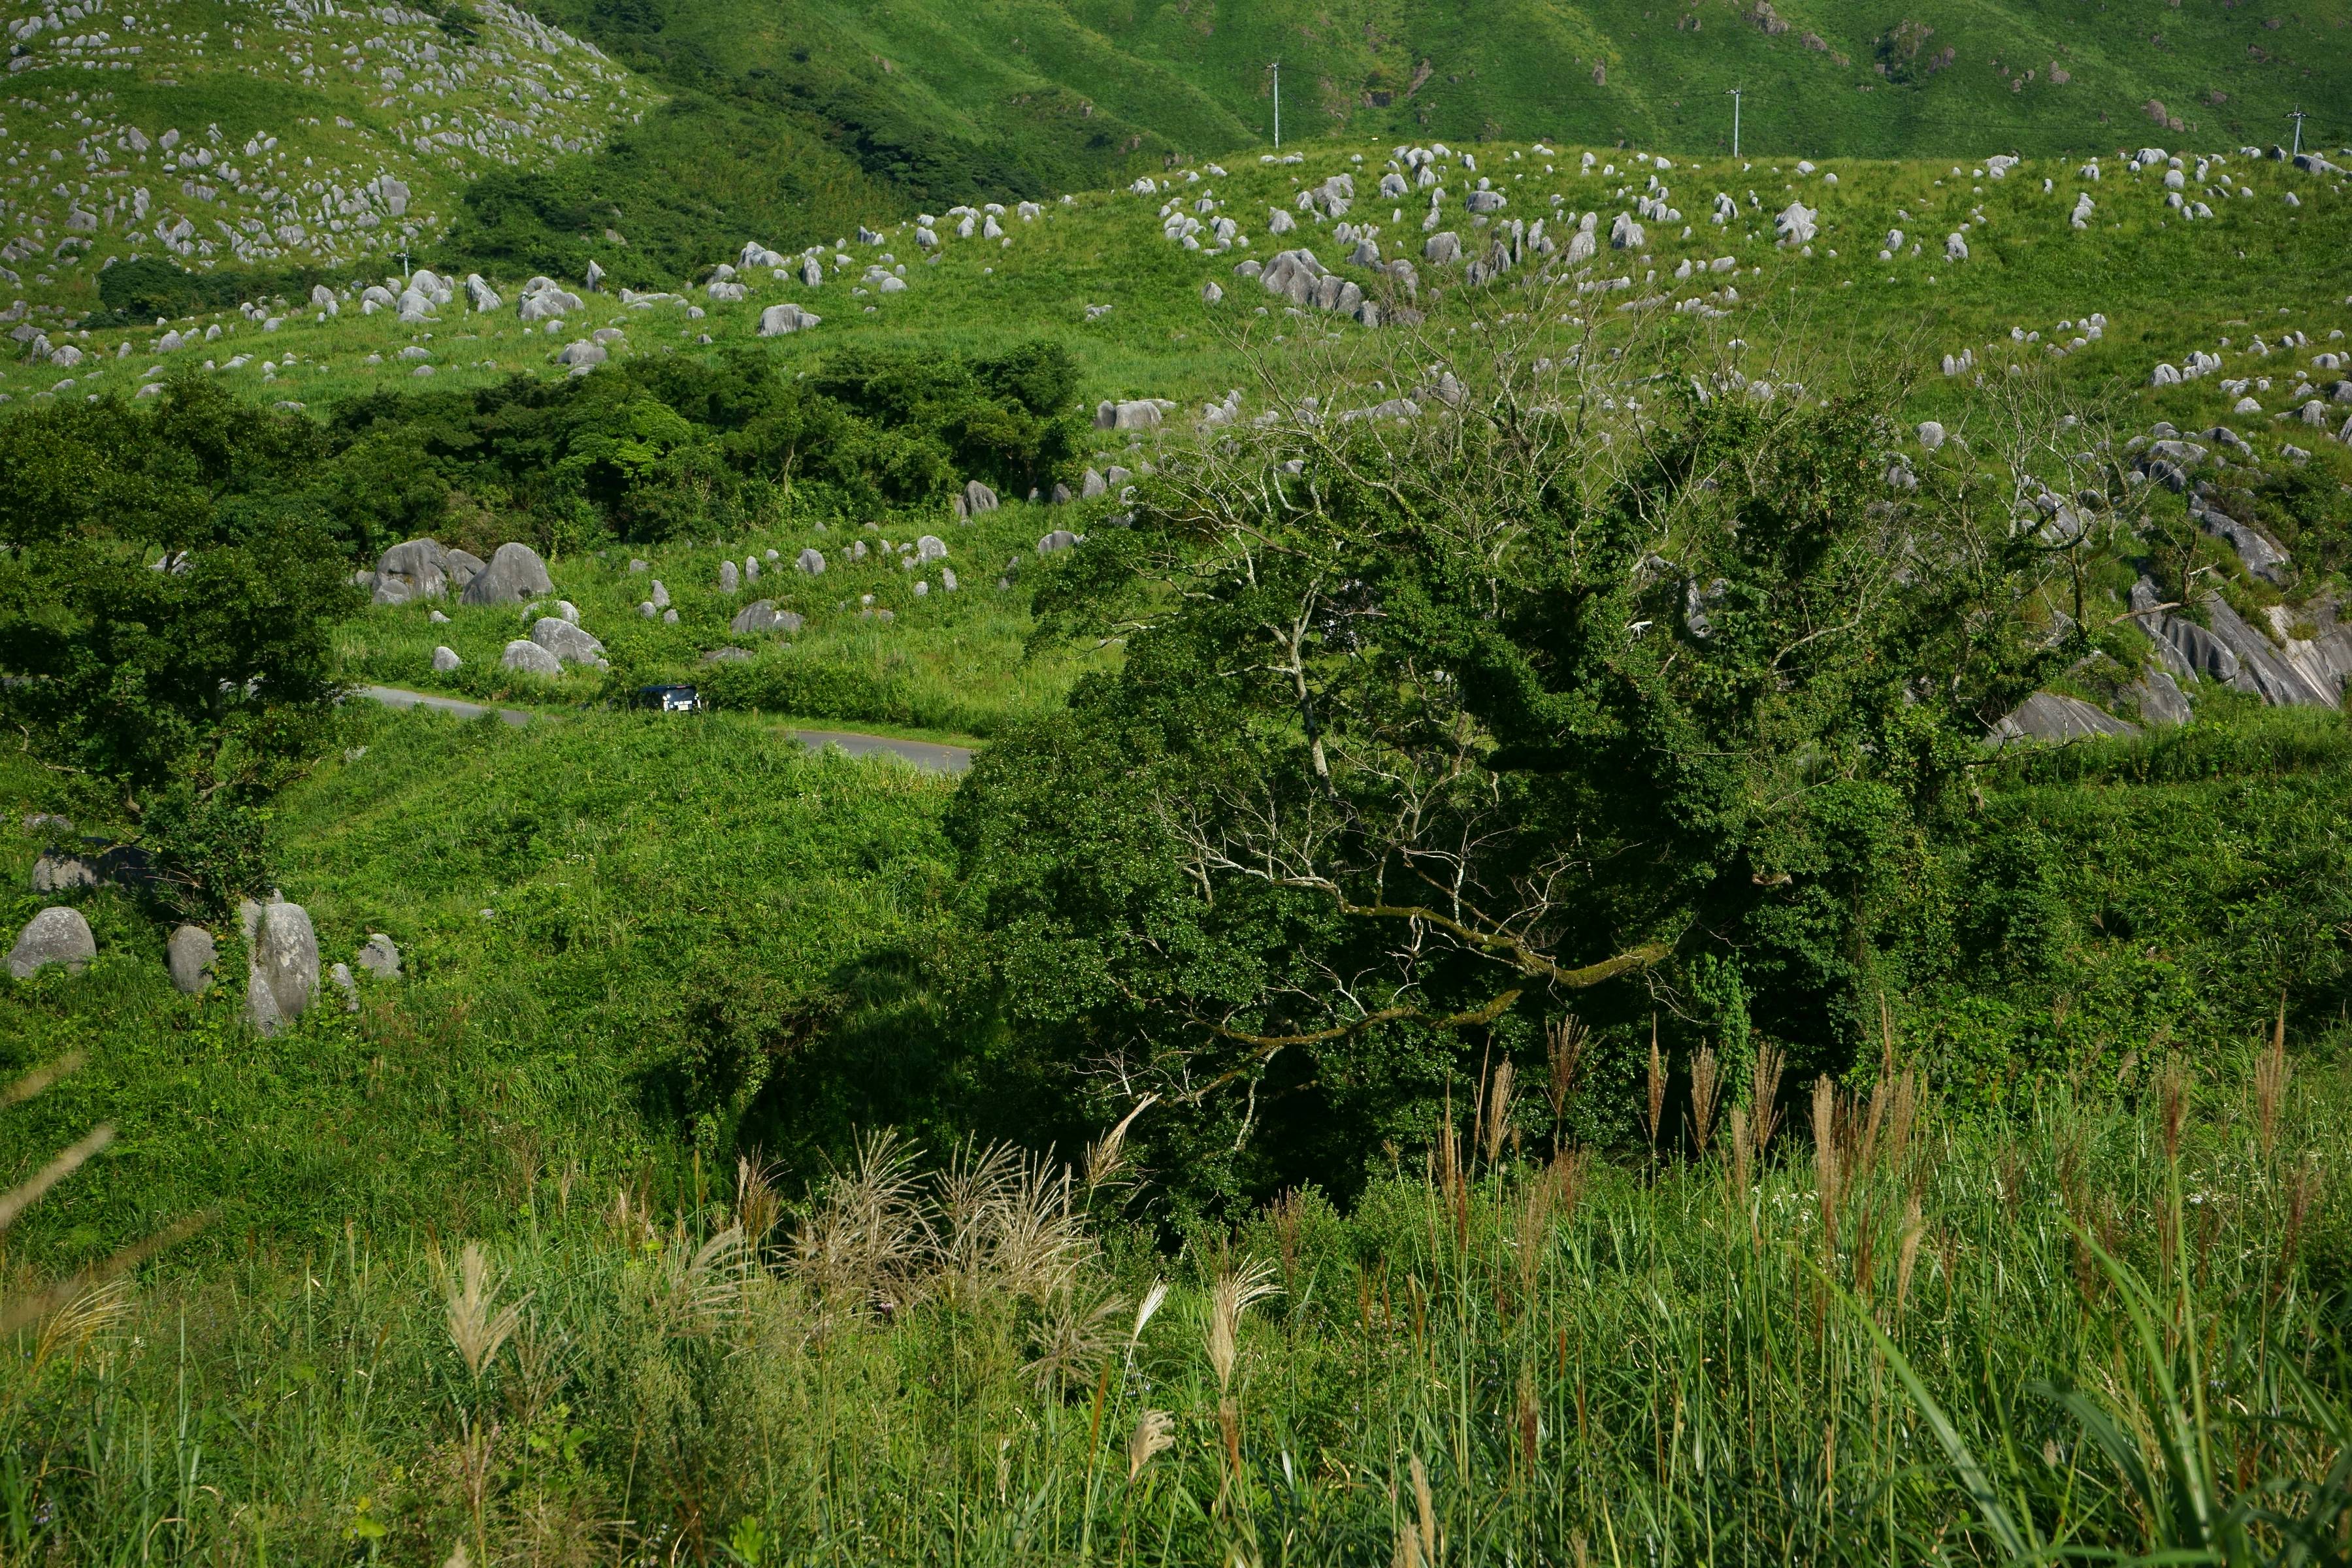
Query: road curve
point(928, 755)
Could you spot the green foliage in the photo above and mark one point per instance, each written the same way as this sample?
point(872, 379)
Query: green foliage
point(176, 701)
point(138, 292)
point(1445, 724)
point(661, 201)
point(664, 449)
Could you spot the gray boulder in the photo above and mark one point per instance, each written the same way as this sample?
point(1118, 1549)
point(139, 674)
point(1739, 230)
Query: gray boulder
point(762, 616)
point(416, 569)
point(191, 954)
point(978, 498)
point(61, 871)
point(777, 321)
point(567, 642)
point(2161, 700)
point(341, 975)
point(463, 566)
point(514, 574)
point(444, 659)
point(810, 561)
point(727, 655)
point(2048, 717)
point(730, 578)
point(282, 964)
point(930, 547)
point(525, 657)
point(55, 935)
point(380, 956)
point(1060, 539)
point(659, 598)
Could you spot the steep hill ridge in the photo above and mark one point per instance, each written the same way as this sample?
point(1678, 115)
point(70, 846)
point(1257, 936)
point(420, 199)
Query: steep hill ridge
point(1056, 82)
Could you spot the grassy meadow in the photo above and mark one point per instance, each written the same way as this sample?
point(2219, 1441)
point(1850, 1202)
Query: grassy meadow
point(694, 1196)
point(2102, 1329)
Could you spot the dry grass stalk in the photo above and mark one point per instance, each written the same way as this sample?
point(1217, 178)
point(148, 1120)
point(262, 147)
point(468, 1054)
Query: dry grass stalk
point(1530, 1420)
point(478, 1325)
point(1705, 1085)
point(1235, 1291)
point(1154, 1435)
point(757, 1206)
point(1764, 1098)
point(94, 1308)
point(1563, 1051)
point(1107, 1156)
point(2270, 1075)
point(1656, 1104)
point(1153, 1300)
point(1498, 1111)
point(1408, 1547)
point(1906, 1254)
point(2172, 1105)
point(24, 1195)
point(1426, 1512)
point(1743, 1154)
point(1825, 1160)
point(1072, 1342)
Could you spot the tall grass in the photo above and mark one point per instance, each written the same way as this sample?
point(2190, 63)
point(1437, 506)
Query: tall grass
point(2107, 1329)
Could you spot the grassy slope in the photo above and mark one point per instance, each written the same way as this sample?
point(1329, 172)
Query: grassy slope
point(656, 885)
point(223, 72)
point(2165, 287)
point(1193, 74)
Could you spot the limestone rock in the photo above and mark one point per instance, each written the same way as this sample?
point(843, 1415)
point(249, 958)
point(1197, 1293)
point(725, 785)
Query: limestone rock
point(444, 659)
point(282, 964)
point(2046, 716)
point(762, 616)
point(566, 641)
point(777, 321)
point(380, 956)
point(810, 560)
point(55, 935)
point(525, 657)
point(730, 578)
point(191, 954)
point(515, 573)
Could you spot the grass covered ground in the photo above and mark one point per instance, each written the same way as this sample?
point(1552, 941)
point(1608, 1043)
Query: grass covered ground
point(2165, 286)
point(2110, 1328)
point(955, 664)
point(612, 926)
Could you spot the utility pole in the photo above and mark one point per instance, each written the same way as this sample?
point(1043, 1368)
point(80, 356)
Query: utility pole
point(2296, 115)
point(1277, 106)
point(1735, 121)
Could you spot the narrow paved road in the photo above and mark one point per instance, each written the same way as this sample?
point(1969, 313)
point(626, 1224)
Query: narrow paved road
point(928, 755)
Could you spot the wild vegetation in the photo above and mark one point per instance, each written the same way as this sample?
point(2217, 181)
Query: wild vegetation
point(1488, 996)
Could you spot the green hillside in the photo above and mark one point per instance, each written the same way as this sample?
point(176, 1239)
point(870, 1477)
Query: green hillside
point(285, 139)
point(957, 102)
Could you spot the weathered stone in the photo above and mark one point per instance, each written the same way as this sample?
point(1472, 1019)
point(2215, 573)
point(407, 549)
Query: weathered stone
point(444, 659)
point(1931, 434)
point(930, 547)
point(2161, 700)
point(566, 641)
point(2046, 716)
point(61, 871)
point(762, 616)
point(525, 657)
point(515, 573)
point(810, 560)
point(978, 498)
point(1060, 539)
point(777, 321)
point(191, 954)
point(727, 655)
point(729, 577)
point(55, 935)
point(282, 964)
point(380, 956)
